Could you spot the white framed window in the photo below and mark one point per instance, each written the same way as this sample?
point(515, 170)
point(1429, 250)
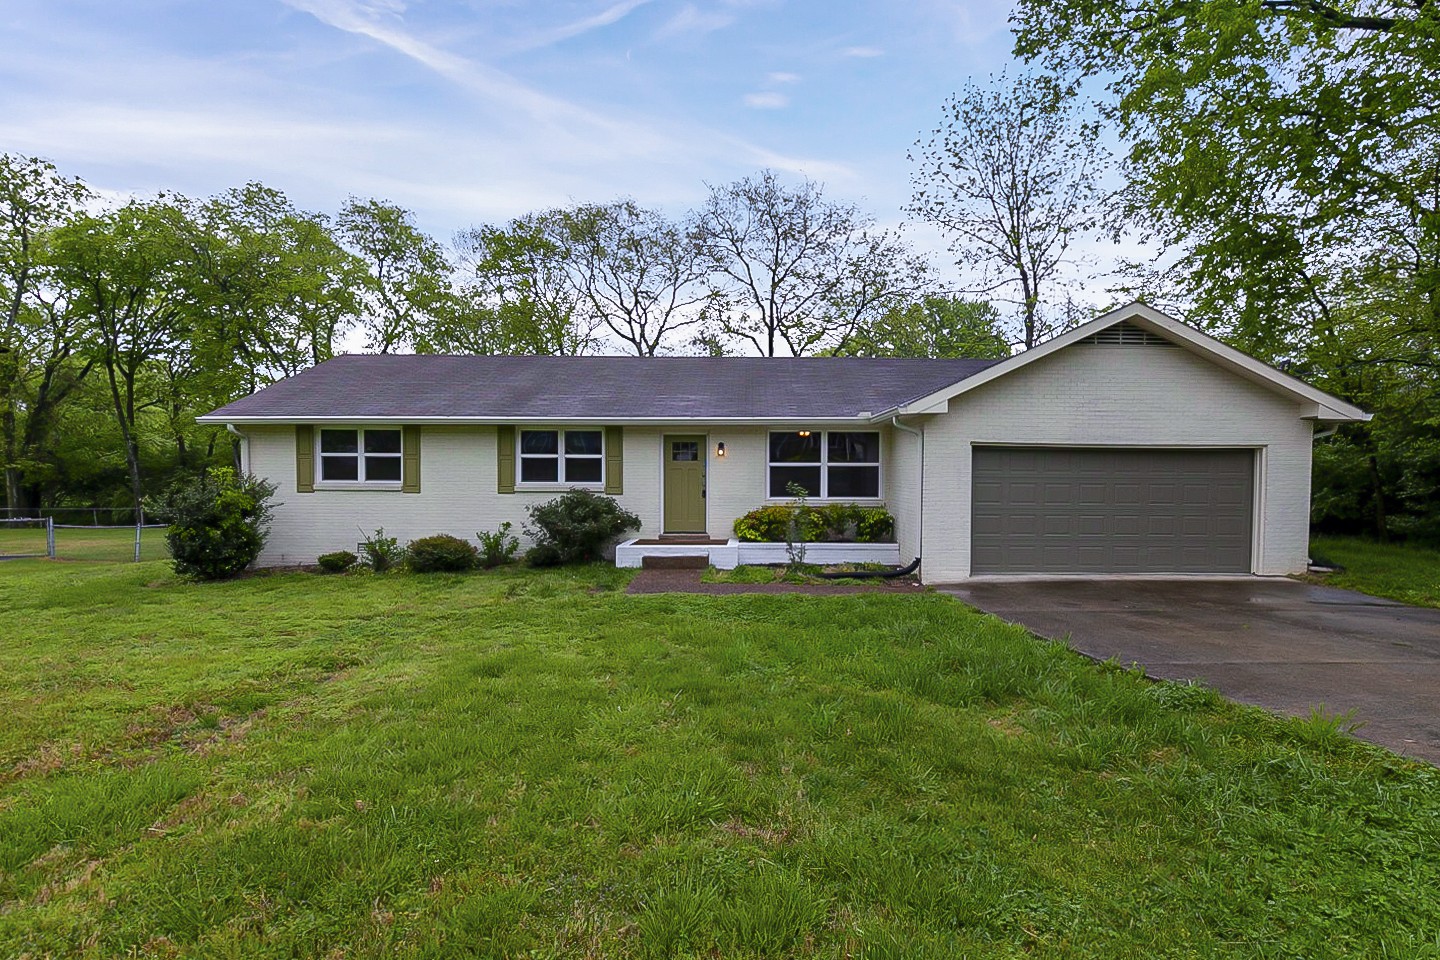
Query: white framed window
point(829, 464)
point(360, 455)
point(573, 458)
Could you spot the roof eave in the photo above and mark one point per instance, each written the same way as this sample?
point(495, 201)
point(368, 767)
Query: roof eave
point(288, 419)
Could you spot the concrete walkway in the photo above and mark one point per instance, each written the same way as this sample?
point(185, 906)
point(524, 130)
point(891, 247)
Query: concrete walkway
point(1275, 643)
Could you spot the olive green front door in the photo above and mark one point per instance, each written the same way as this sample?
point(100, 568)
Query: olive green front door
point(684, 484)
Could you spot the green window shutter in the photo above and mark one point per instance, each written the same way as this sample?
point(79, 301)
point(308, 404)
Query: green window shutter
point(615, 460)
point(305, 459)
point(505, 458)
point(410, 459)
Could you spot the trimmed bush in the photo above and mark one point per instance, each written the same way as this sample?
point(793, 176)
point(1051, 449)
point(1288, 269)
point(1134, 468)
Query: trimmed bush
point(441, 553)
point(831, 522)
point(218, 523)
point(575, 527)
point(337, 562)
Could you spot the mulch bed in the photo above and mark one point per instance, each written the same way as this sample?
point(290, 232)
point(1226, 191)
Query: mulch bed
point(688, 581)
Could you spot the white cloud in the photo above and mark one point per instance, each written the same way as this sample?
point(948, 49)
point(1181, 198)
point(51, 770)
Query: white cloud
point(783, 78)
point(691, 19)
point(766, 100)
point(862, 52)
point(604, 18)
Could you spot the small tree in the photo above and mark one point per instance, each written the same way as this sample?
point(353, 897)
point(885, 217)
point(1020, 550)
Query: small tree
point(800, 273)
point(1010, 175)
point(218, 522)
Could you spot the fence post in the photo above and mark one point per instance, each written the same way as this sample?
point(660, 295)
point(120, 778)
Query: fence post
point(50, 537)
point(139, 525)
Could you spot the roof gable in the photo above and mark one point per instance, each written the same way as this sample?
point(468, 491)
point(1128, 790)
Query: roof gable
point(1137, 323)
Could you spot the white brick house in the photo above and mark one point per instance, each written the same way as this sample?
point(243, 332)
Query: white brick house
point(1132, 444)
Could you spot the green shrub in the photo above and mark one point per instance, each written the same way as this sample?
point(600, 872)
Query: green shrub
point(874, 525)
point(441, 553)
point(543, 555)
point(337, 562)
point(382, 553)
point(498, 547)
point(835, 521)
point(575, 527)
point(218, 523)
point(765, 525)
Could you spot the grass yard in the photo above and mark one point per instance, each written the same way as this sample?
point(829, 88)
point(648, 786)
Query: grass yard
point(1400, 572)
point(534, 764)
point(111, 544)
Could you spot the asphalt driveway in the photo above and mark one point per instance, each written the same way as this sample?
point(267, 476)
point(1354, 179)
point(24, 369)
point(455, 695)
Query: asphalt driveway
point(1279, 644)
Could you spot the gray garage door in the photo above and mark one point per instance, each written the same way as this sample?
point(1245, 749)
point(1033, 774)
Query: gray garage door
point(1072, 510)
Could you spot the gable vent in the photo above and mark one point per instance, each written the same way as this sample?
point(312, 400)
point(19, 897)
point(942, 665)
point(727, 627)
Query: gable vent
point(1126, 334)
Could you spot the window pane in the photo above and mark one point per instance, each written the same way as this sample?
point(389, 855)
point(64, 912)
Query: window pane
point(382, 441)
point(339, 441)
point(339, 468)
point(793, 448)
point(854, 447)
point(382, 468)
point(782, 477)
point(582, 441)
point(539, 441)
point(539, 470)
point(582, 469)
point(854, 482)
point(685, 451)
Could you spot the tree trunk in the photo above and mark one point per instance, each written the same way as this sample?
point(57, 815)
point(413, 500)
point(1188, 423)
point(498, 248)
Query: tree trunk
point(1377, 494)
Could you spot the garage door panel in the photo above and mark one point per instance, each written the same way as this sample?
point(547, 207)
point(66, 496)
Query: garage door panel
point(1080, 510)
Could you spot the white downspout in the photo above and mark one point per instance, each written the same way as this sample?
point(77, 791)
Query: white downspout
point(244, 448)
point(920, 539)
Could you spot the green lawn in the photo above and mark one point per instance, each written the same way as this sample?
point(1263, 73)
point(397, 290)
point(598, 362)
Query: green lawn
point(535, 764)
point(1400, 572)
point(113, 544)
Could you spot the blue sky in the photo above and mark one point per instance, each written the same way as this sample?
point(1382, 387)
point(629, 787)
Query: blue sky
point(471, 111)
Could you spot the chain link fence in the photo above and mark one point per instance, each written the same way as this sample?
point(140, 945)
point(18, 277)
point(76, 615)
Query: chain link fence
point(81, 533)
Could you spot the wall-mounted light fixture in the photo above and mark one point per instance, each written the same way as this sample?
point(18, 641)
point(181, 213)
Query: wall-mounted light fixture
point(720, 449)
point(804, 433)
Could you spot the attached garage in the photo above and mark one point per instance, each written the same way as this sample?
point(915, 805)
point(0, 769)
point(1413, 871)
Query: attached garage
point(1063, 510)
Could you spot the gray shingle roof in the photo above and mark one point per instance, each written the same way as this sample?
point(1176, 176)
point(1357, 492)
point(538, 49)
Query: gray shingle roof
point(619, 388)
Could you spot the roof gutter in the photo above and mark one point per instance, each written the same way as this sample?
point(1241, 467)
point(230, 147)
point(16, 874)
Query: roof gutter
point(920, 538)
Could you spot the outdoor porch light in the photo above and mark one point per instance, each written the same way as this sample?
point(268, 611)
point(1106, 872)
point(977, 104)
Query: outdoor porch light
point(804, 433)
point(720, 449)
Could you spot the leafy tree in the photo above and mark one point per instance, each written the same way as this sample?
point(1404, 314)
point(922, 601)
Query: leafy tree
point(266, 290)
point(1010, 176)
point(639, 274)
point(933, 326)
point(802, 273)
point(1280, 146)
point(407, 282)
point(523, 296)
point(119, 270)
point(1287, 155)
point(39, 335)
